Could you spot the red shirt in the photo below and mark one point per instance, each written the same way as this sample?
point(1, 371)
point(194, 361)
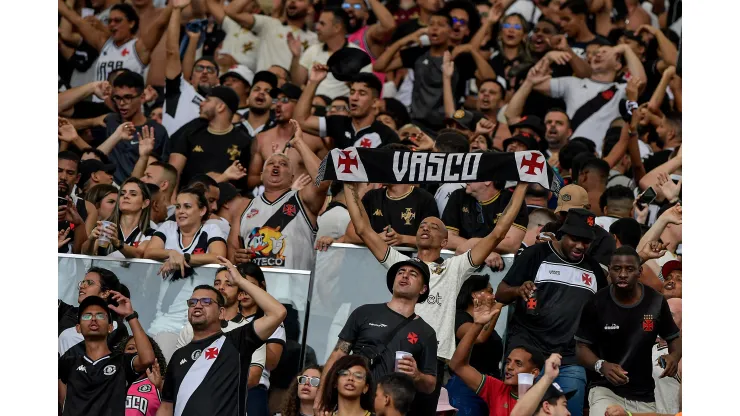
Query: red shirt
point(497, 396)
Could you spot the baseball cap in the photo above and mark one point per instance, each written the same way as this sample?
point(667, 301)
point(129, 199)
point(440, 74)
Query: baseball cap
point(94, 300)
point(347, 62)
point(463, 118)
point(266, 76)
point(554, 391)
point(571, 196)
point(90, 166)
point(531, 122)
point(579, 223)
point(523, 138)
point(228, 96)
point(240, 72)
point(670, 266)
point(415, 262)
point(290, 90)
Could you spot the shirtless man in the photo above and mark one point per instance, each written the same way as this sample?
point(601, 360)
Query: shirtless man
point(274, 140)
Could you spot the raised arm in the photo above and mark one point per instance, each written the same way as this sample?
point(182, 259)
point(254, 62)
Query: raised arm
point(651, 178)
point(172, 45)
point(494, 15)
point(274, 311)
point(360, 220)
point(656, 100)
point(72, 96)
point(484, 69)
point(448, 70)
point(380, 32)
point(145, 353)
point(619, 149)
point(302, 112)
point(313, 196)
point(537, 75)
point(633, 62)
point(674, 215)
point(668, 50)
point(235, 10)
point(216, 9)
point(389, 60)
point(150, 36)
point(527, 404)
point(488, 243)
point(124, 131)
point(92, 36)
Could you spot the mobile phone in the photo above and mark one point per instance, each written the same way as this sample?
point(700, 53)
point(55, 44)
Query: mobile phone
point(661, 362)
point(647, 197)
point(675, 178)
point(61, 201)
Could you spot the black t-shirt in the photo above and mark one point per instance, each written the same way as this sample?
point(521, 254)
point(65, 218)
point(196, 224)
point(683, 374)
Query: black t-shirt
point(403, 214)
point(126, 153)
point(484, 357)
point(625, 335)
point(405, 29)
point(368, 325)
point(67, 316)
point(657, 159)
point(209, 152)
point(96, 387)
point(549, 319)
point(603, 246)
point(220, 389)
point(340, 129)
point(473, 219)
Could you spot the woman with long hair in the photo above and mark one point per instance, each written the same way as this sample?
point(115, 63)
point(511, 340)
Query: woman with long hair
point(302, 392)
point(183, 244)
point(104, 197)
point(144, 392)
point(349, 388)
point(131, 229)
point(487, 351)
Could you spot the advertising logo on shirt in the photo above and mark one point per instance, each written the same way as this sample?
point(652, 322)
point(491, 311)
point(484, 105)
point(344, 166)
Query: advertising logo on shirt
point(267, 245)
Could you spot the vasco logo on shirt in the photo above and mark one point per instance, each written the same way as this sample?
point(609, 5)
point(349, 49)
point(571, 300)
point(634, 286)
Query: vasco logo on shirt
point(194, 356)
point(412, 337)
point(109, 370)
point(289, 210)
point(234, 152)
point(146, 388)
point(648, 323)
point(408, 215)
point(267, 245)
point(252, 213)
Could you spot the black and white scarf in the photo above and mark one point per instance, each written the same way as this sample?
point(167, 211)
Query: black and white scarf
point(357, 164)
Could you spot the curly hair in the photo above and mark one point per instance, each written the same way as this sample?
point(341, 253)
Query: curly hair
point(330, 396)
point(158, 355)
point(292, 404)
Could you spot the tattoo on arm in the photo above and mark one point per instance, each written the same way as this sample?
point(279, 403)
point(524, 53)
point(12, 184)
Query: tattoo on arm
point(343, 346)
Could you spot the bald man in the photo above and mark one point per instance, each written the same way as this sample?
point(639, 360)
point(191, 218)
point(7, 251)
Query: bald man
point(538, 218)
point(277, 229)
point(447, 276)
point(667, 389)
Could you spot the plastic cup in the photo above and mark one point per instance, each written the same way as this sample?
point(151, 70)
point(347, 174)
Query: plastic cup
point(399, 356)
point(525, 381)
point(103, 240)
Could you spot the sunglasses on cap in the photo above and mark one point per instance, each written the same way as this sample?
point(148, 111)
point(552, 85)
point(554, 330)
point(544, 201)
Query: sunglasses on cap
point(516, 26)
point(311, 381)
point(99, 316)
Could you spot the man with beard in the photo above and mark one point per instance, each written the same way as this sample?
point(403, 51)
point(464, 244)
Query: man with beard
point(550, 283)
point(258, 117)
point(273, 33)
point(276, 139)
point(73, 212)
point(557, 133)
point(374, 38)
point(210, 143)
point(182, 98)
point(360, 128)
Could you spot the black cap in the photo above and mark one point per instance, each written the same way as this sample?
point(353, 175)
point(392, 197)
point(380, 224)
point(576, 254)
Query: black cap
point(464, 118)
point(579, 223)
point(523, 138)
point(90, 166)
point(347, 62)
point(290, 90)
point(94, 300)
point(415, 262)
point(554, 391)
point(531, 122)
point(265, 76)
point(227, 192)
point(228, 96)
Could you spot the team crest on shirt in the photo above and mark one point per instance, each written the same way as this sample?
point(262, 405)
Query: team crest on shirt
point(289, 210)
point(648, 323)
point(145, 388)
point(252, 212)
point(438, 269)
point(109, 370)
point(408, 215)
point(267, 245)
point(195, 355)
point(211, 353)
point(412, 337)
point(234, 152)
point(198, 149)
point(247, 47)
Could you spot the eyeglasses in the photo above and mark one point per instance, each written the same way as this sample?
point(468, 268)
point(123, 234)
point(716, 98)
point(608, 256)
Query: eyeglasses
point(479, 210)
point(208, 69)
point(455, 21)
point(100, 316)
point(86, 283)
point(311, 381)
point(284, 100)
point(203, 301)
point(356, 375)
point(347, 6)
point(516, 26)
point(125, 99)
point(338, 108)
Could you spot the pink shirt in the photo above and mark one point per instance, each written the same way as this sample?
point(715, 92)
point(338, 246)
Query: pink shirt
point(142, 398)
point(359, 38)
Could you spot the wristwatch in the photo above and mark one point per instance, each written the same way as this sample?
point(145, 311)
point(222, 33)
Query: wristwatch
point(597, 366)
point(120, 245)
point(134, 315)
point(187, 257)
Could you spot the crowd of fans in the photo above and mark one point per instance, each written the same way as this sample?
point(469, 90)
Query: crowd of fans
point(191, 132)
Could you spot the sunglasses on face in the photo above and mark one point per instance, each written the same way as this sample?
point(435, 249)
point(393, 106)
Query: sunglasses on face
point(85, 283)
point(203, 301)
point(455, 21)
point(284, 100)
point(347, 6)
point(311, 381)
point(338, 108)
point(99, 316)
point(124, 99)
point(359, 376)
point(208, 69)
point(516, 26)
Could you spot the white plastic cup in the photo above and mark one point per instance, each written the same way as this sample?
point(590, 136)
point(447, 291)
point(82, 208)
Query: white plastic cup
point(399, 356)
point(103, 240)
point(525, 381)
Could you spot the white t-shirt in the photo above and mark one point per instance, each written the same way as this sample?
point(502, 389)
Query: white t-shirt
point(330, 86)
point(240, 43)
point(445, 282)
point(576, 92)
point(333, 222)
point(667, 389)
point(443, 194)
point(273, 48)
